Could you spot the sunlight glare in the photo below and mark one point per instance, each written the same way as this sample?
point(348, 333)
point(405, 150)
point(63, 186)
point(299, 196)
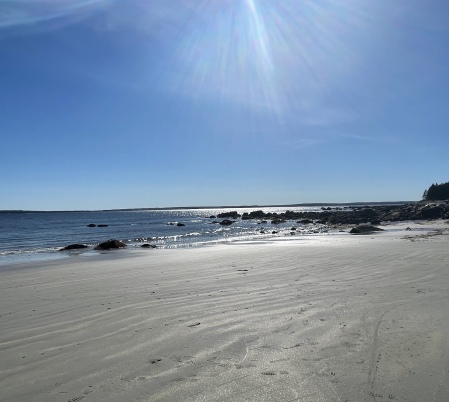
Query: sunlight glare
point(284, 57)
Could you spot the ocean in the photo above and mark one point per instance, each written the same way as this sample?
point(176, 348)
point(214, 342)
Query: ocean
point(32, 236)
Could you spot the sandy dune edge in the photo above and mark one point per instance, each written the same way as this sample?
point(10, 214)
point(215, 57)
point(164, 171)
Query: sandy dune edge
point(336, 318)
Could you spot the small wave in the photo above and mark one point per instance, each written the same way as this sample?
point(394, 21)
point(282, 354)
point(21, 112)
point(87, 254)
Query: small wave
point(30, 251)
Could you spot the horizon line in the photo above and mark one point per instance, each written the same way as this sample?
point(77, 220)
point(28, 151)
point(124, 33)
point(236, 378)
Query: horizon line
point(307, 204)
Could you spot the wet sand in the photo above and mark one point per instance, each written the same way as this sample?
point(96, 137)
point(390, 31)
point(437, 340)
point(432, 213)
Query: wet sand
point(328, 318)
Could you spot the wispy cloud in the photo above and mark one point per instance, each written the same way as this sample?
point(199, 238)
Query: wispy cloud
point(387, 139)
point(308, 140)
point(44, 14)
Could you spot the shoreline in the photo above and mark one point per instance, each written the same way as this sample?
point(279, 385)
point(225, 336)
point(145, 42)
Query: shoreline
point(40, 235)
point(58, 256)
point(340, 317)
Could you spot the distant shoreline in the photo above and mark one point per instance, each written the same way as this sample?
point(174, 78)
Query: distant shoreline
point(310, 204)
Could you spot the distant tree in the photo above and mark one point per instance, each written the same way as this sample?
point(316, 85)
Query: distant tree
point(437, 192)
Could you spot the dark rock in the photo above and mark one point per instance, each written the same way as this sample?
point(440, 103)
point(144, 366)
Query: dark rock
point(91, 225)
point(277, 221)
point(368, 212)
point(362, 229)
point(257, 214)
point(102, 226)
point(146, 245)
point(226, 222)
point(432, 212)
point(290, 214)
point(273, 232)
point(212, 217)
point(305, 221)
point(75, 246)
point(180, 224)
point(375, 221)
point(110, 244)
point(293, 228)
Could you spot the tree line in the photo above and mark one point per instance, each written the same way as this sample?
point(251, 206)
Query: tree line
point(437, 192)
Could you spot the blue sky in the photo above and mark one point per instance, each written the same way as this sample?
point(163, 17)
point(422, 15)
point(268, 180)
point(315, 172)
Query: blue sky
point(133, 103)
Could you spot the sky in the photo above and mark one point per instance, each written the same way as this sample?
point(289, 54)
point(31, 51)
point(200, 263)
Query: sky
point(152, 103)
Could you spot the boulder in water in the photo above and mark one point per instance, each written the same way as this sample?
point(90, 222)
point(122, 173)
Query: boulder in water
point(226, 222)
point(75, 246)
point(110, 244)
point(146, 245)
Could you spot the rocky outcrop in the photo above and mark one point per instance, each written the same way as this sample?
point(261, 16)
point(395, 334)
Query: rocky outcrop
point(256, 214)
point(110, 244)
point(432, 211)
point(91, 225)
point(180, 224)
point(355, 215)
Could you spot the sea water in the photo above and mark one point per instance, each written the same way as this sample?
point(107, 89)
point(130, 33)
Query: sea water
point(31, 236)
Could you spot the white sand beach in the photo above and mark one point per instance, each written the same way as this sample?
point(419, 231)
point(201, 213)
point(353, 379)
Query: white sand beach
point(326, 318)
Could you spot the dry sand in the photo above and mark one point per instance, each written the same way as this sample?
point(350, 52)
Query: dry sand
point(330, 318)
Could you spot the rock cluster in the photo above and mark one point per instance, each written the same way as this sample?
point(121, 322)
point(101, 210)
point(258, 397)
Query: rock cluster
point(354, 214)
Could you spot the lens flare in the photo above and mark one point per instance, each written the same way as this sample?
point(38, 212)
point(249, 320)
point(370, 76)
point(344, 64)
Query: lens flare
point(285, 57)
